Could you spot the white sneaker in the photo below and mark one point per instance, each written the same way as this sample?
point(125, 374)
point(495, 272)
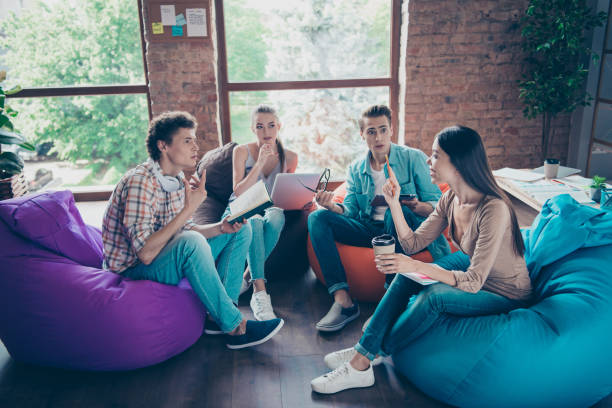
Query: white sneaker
point(337, 358)
point(343, 378)
point(261, 305)
point(246, 284)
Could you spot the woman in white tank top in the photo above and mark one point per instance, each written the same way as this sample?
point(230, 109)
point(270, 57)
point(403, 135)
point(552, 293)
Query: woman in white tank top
point(262, 160)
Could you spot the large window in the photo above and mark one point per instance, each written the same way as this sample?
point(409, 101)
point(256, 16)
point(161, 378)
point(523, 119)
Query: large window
point(84, 103)
point(600, 145)
point(319, 62)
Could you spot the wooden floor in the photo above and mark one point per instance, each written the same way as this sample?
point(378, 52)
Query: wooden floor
point(275, 374)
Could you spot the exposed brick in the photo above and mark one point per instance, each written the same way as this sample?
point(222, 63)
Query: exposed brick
point(471, 77)
point(182, 77)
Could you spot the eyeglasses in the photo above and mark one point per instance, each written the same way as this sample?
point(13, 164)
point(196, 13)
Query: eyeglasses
point(321, 184)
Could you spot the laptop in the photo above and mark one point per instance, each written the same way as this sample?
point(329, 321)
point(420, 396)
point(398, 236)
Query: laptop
point(291, 191)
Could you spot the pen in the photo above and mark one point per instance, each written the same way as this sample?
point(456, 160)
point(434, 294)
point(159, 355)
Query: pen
point(390, 172)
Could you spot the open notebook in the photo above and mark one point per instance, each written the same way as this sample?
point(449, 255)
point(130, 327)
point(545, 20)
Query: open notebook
point(419, 278)
point(251, 202)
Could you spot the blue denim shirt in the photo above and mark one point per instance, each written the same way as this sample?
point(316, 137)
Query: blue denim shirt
point(412, 173)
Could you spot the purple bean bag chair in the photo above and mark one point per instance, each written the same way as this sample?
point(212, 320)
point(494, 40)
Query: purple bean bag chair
point(59, 308)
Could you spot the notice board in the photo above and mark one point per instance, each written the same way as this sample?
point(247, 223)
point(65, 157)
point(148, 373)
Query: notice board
point(178, 21)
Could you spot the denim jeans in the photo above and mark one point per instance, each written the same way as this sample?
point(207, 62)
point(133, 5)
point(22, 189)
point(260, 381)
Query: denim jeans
point(266, 230)
point(190, 255)
point(401, 317)
point(326, 227)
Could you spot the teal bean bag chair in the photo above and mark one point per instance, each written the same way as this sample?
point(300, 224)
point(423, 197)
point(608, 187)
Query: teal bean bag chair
point(557, 352)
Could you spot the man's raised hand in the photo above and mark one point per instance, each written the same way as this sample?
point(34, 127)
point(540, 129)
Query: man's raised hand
point(195, 192)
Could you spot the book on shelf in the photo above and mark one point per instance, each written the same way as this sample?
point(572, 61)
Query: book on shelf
point(253, 201)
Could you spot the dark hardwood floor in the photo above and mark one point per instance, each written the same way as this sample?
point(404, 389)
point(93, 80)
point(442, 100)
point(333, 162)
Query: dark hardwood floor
point(275, 374)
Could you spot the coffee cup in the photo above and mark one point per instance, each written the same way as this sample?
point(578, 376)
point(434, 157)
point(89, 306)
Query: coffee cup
point(551, 167)
point(383, 244)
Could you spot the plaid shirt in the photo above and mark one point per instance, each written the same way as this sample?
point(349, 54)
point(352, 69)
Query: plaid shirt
point(137, 208)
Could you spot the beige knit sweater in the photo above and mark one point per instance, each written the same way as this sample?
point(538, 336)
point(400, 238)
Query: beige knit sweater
point(488, 241)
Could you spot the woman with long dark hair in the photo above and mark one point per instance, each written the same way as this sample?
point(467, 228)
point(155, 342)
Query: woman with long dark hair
point(487, 276)
point(262, 159)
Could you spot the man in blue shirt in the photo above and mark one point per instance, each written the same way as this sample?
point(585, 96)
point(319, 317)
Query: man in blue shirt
point(356, 221)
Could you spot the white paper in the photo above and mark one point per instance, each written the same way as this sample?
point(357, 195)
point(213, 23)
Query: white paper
point(253, 197)
point(168, 17)
point(196, 22)
point(515, 174)
point(419, 278)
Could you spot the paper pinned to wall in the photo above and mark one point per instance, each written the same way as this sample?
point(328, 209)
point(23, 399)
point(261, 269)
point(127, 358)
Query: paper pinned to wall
point(196, 22)
point(158, 28)
point(180, 19)
point(167, 14)
point(177, 31)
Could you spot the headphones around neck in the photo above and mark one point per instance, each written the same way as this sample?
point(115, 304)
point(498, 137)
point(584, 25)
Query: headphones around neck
point(169, 184)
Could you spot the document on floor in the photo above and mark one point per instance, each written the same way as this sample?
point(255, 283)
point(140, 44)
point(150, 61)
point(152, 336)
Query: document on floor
point(251, 202)
point(419, 278)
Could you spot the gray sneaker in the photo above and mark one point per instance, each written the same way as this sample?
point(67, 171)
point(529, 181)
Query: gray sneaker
point(337, 317)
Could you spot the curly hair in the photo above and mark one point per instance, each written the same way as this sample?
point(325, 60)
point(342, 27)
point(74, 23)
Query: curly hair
point(164, 126)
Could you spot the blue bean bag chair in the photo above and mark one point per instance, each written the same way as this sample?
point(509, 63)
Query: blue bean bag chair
point(59, 308)
point(556, 353)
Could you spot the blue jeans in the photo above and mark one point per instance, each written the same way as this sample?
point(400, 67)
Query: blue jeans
point(266, 231)
point(190, 255)
point(326, 227)
point(401, 317)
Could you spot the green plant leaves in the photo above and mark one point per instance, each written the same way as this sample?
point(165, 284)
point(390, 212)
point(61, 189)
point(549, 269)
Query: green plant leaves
point(10, 163)
point(13, 90)
point(7, 137)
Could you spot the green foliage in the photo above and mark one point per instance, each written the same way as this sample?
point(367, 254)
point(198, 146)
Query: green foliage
point(244, 34)
point(80, 43)
point(556, 58)
point(554, 40)
point(10, 163)
point(598, 182)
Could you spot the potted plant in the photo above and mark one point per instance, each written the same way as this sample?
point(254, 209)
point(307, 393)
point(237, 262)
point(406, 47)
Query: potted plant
point(12, 182)
point(596, 186)
point(555, 48)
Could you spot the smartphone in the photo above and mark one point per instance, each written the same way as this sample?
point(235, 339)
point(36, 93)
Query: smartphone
point(407, 197)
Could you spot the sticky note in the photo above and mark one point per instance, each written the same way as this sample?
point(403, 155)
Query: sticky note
point(158, 28)
point(180, 20)
point(177, 31)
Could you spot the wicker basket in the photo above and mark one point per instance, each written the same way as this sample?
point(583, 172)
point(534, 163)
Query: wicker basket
point(14, 186)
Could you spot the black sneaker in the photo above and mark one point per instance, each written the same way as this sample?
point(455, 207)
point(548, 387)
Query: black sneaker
point(211, 327)
point(337, 317)
point(256, 333)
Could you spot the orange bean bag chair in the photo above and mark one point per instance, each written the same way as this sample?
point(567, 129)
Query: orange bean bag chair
point(365, 282)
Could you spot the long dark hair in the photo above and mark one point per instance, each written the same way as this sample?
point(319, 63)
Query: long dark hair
point(279, 144)
point(467, 153)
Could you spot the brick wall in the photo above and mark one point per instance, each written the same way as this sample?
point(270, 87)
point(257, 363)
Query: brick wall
point(182, 76)
point(463, 59)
